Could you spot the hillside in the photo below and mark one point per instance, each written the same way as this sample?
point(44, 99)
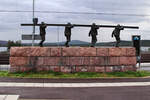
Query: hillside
point(144, 43)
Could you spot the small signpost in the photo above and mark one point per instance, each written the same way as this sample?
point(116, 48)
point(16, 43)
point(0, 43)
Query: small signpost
point(137, 44)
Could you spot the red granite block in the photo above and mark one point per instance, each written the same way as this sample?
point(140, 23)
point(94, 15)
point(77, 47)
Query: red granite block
point(96, 61)
point(87, 51)
point(114, 61)
point(65, 61)
point(46, 68)
point(99, 69)
point(131, 52)
point(25, 69)
point(19, 61)
point(19, 52)
point(40, 61)
point(85, 69)
point(117, 52)
point(79, 61)
point(128, 61)
point(42, 68)
point(108, 69)
point(39, 51)
point(69, 52)
point(52, 61)
point(56, 52)
point(102, 51)
point(65, 69)
point(14, 69)
point(117, 68)
point(39, 68)
point(129, 68)
point(55, 68)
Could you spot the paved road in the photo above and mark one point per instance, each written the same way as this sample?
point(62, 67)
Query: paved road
point(113, 93)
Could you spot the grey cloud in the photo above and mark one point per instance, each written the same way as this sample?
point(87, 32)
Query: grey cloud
point(13, 20)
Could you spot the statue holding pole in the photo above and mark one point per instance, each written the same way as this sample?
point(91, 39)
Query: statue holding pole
point(93, 33)
point(67, 32)
point(116, 34)
point(42, 33)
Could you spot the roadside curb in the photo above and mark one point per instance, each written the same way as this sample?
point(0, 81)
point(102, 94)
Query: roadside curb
point(79, 80)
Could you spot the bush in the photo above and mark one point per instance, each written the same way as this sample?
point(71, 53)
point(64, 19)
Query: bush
point(13, 44)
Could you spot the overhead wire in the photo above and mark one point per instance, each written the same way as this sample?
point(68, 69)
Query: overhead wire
point(70, 12)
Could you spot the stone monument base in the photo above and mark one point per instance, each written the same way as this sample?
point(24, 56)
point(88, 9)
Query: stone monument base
point(72, 59)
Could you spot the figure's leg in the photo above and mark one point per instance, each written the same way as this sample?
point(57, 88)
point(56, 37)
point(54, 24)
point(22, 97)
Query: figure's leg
point(68, 40)
point(94, 40)
point(117, 41)
point(43, 39)
point(40, 41)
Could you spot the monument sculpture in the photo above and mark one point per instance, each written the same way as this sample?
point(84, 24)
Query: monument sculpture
point(116, 34)
point(42, 33)
point(93, 33)
point(67, 32)
point(79, 59)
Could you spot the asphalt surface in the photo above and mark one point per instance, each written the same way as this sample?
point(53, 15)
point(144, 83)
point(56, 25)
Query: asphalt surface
point(98, 80)
point(111, 93)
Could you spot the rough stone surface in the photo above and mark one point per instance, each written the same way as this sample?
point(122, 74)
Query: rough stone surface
point(85, 69)
point(65, 69)
point(52, 61)
point(97, 61)
point(99, 69)
point(34, 51)
point(129, 68)
point(19, 61)
point(117, 52)
point(127, 60)
point(20, 52)
point(113, 61)
point(84, 52)
point(71, 52)
point(131, 52)
point(56, 52)
point(102, 52)
point(55, 68)
point(72, 59)
point(79, 61)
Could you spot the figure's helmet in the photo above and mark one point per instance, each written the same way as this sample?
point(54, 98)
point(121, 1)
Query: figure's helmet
point(93, 24)
point(42, 23)
point(118, 25)
point(69, 23)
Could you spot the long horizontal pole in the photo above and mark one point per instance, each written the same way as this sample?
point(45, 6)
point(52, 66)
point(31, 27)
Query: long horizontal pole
point(81, 25)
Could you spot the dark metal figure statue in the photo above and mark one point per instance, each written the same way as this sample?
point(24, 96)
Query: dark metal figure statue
point(116, 34)
point(93, 33)
point(42, 33)
point(68, 33)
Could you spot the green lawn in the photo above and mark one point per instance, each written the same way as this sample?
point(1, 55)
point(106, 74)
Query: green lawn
point(51, 74)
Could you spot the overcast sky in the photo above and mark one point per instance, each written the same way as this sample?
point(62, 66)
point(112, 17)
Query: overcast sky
point(10, 28)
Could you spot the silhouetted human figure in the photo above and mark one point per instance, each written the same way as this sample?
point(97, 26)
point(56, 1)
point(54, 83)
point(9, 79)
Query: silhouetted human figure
point(93, 33)
point(116, 33)
point(42, 33)
point(68, 33)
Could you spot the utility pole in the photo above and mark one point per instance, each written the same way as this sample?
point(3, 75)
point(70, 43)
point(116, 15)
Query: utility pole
point(33, 23)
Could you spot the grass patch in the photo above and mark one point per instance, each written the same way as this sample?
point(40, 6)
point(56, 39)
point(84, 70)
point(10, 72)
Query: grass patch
point(51, 74)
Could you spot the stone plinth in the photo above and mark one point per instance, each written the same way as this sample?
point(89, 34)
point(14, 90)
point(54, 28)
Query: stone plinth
point(72, 59)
